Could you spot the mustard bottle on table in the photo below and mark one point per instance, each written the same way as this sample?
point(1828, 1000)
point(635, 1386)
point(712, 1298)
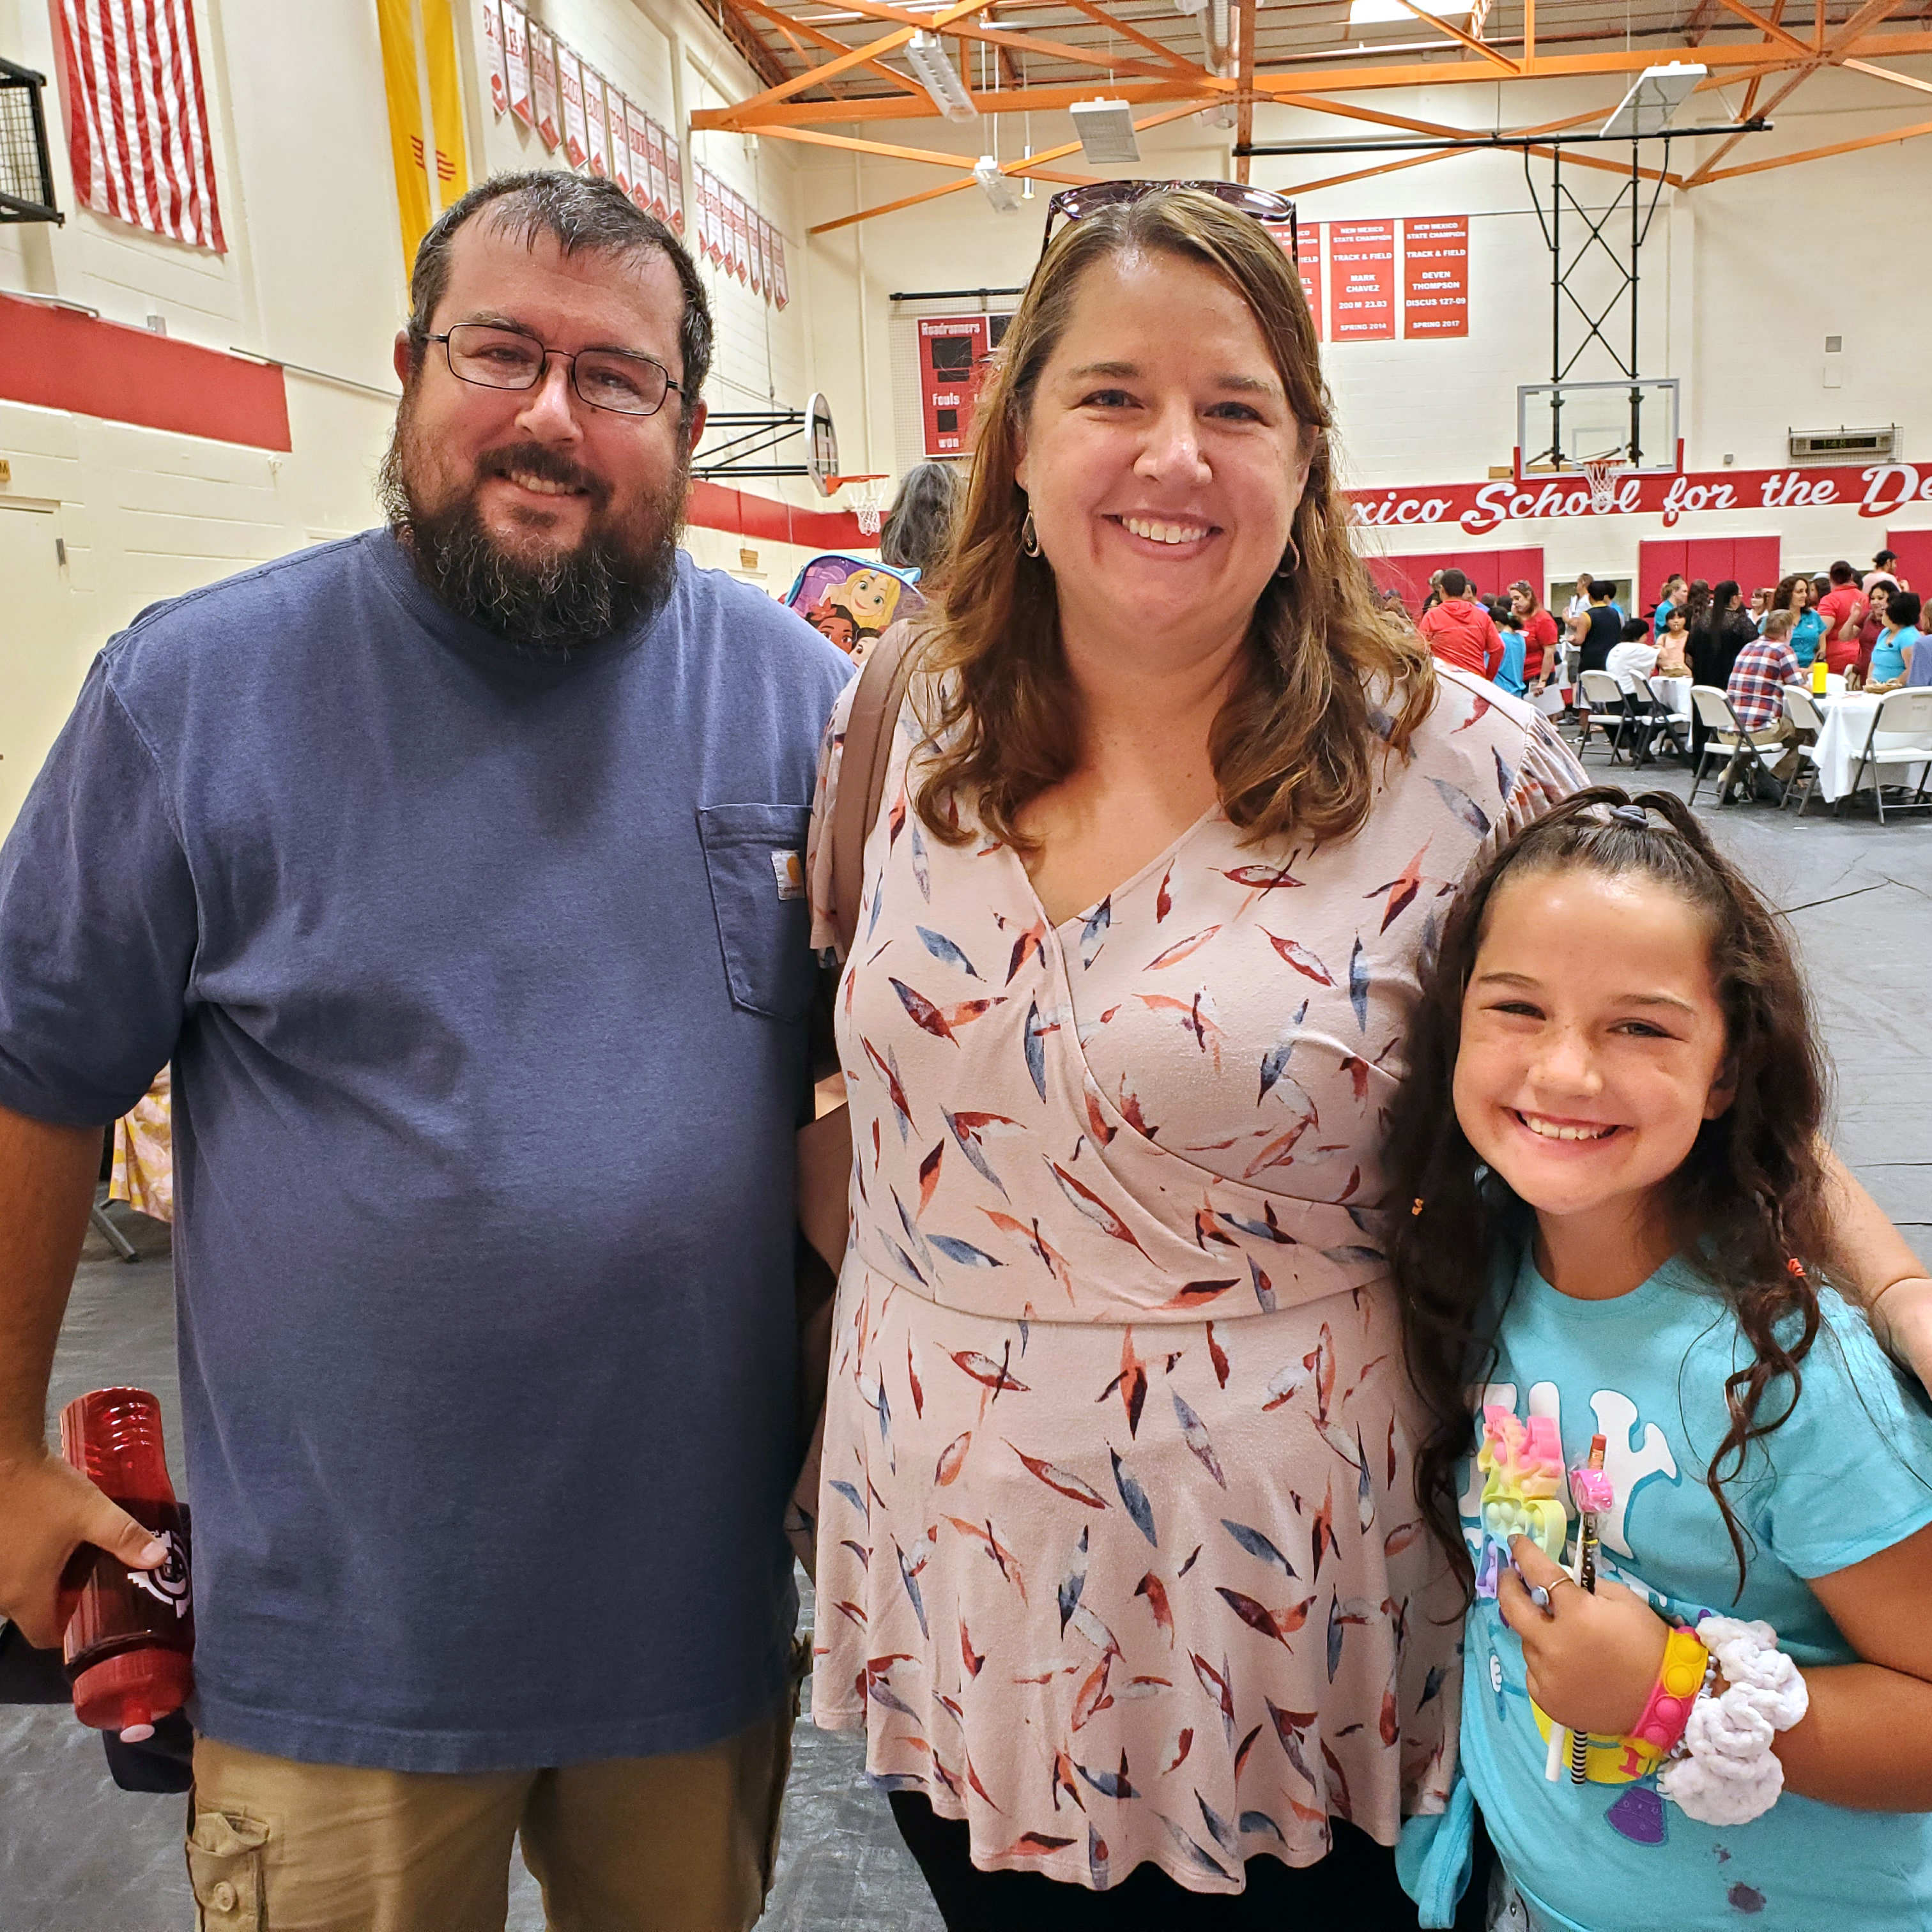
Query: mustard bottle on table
point(1818, 670)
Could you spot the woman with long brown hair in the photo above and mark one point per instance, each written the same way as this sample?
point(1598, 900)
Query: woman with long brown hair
point(1119, 1562)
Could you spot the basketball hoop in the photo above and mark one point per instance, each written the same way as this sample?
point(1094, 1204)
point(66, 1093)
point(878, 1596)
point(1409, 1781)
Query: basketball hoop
point(1603, 473)
point(868, 506)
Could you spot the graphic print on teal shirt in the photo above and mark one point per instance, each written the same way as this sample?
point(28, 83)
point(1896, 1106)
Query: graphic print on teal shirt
point(1850, 1473)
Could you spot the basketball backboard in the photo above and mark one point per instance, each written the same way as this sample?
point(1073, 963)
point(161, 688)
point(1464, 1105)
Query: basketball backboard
point(1560, 426)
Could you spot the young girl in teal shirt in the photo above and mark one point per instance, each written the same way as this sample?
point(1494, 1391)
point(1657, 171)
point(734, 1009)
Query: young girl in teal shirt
point(1609, 1146)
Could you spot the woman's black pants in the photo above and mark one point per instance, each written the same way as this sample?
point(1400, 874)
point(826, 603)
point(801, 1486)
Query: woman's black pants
point(1353, 1889)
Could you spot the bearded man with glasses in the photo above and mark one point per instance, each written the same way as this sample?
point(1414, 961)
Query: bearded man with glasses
point(454, 868)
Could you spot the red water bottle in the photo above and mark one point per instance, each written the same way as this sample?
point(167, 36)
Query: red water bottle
point(130, 1633)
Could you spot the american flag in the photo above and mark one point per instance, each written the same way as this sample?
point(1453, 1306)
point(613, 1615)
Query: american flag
point(138, 131)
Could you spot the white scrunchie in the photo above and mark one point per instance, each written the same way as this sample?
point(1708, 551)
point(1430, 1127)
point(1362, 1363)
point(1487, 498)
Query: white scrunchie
point(1731, 1774)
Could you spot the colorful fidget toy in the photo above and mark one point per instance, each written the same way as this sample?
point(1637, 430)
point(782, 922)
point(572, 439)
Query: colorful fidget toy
point(1523, 1490)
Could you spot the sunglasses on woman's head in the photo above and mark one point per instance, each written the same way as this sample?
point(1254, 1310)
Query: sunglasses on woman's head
point(1071, 203)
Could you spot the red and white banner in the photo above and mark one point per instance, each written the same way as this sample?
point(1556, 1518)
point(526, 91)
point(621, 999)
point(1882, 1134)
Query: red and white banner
point(779, 269)
point(570, 91)
point(654, 149)
point(714, 219)
point(519, 56)
point(137, 133)
point(496, 73)
point(597, 120)
point(620, 140)
point(754, 249)
point(1435, 276)
point(1361, 266)
point(674, 178)
point(548, 123)
point(1308, 266)
point(1880, 490)
point(639, 124)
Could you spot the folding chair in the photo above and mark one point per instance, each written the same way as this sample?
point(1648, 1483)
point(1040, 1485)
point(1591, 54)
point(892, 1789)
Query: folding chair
point(1602, 700)
point(1901, 735)
point(1654, 720)
point(1801, 710)
point(1723, 732)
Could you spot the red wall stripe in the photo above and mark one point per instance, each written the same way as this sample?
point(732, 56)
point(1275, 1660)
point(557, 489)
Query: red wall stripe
point(712, 507)
point(59, 360)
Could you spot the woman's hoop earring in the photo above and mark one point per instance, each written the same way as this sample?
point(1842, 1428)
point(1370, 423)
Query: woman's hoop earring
point(1029, 536)
point(1285, 568)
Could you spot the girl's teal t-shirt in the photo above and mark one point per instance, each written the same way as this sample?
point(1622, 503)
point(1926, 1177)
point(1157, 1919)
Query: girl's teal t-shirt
point(1848, 1475)
point(1805, 636)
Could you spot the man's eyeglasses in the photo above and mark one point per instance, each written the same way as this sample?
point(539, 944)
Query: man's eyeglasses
point(1071, 203)
point(507, 358)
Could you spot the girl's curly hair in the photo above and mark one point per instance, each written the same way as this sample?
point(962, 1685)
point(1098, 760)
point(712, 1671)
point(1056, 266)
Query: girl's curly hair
point(1750, 1196)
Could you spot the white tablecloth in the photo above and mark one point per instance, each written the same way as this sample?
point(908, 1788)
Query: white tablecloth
point(1675, 692)
point(1848, 719)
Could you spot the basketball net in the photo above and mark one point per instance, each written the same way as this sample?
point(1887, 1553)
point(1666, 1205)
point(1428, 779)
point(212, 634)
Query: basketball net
point(1603, 474)
point(870, 508)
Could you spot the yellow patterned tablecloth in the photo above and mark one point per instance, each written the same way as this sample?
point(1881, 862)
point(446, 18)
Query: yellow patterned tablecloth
point(144, 1169)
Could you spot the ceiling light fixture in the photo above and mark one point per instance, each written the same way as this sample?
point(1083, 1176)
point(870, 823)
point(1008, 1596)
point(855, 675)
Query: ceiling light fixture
point(926, 55)
point(999, 188)
point(1651, 105)
point(1106, 132)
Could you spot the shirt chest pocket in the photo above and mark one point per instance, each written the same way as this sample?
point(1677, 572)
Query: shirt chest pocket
point(754, 856)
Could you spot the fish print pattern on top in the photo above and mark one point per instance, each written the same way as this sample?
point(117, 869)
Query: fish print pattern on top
point(1118, 1557)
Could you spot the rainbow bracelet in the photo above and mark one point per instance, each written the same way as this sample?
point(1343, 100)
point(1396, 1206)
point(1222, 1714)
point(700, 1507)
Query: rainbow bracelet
point(1681, 1676)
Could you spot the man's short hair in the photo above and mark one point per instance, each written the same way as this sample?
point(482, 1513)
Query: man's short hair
point(1779, 623)
point(1842, 572)
point(1601, 592)
point(1454, 583)
point(1634, 631)
point(577, 212)
point(1902, 607)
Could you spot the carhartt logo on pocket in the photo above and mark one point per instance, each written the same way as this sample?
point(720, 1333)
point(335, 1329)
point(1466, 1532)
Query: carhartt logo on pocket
point(789, 871)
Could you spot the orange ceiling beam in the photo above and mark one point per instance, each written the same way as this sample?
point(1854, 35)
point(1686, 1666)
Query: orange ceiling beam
point(1824, 153)
point(1469, 40)
point(930, 156)
point(1028, 43)
point(1288, 88)
point(775, 97)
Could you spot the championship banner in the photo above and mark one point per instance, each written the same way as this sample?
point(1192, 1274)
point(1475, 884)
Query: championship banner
point(570, 91)
point(674, 178)
point(595, 115)
point(727, 231)
point(654, 150)
point(490, 52)
point(638, 125)
point(741, 237)
point(754, 250)
point(778, 265)
point(1361, 263)
point(620, 140)
point(707, 212)
point(517, 50)
point(543, 84)
point(1435, 276)
point(1308, 266)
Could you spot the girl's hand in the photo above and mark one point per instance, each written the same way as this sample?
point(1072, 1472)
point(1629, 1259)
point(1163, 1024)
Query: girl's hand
point(1591, 1660)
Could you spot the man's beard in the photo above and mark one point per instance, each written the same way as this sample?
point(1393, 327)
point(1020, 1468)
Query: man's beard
point(566, 601)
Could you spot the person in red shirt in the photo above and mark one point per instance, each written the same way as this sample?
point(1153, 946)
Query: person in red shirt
point(1539, 635)
point(1878, 600)
point(1843, 608)
point(1461, 633)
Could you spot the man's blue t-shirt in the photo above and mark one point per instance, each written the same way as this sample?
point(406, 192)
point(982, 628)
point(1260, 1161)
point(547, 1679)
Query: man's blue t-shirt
point(1848, 1475)
point(485, 978)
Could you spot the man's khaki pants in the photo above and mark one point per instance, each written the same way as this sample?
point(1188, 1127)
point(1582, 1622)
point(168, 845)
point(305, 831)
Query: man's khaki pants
point(682, 1843)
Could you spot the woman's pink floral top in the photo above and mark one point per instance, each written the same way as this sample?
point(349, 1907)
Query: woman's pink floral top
point(1118, 1556)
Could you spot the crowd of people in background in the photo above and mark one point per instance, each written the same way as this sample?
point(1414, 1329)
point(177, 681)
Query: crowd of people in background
point(1865, 625)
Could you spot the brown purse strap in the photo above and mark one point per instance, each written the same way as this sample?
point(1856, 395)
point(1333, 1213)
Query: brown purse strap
point(876, 705)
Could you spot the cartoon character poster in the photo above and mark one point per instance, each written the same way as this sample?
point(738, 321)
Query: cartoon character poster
point(850, 601)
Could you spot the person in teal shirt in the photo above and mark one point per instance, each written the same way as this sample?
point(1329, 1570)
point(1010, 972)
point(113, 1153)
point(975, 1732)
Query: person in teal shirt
point(1610, 1138)
point(1807, 630)
point(1892, 654)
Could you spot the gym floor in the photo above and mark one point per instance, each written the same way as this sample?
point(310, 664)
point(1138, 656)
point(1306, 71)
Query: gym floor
point(78, 1855)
